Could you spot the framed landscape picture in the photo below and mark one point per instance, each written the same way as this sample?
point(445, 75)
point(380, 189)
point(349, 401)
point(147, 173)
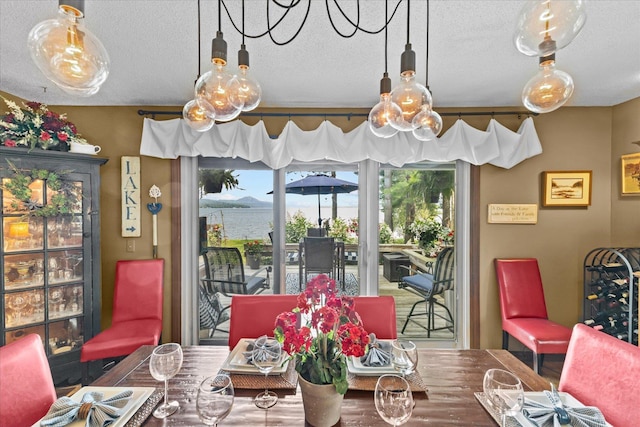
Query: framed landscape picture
point(631, 174)
point(566, 188)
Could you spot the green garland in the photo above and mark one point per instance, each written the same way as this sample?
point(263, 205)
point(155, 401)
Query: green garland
point(61, 203)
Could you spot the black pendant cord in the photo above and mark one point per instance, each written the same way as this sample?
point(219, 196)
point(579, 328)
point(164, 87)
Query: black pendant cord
point(386, 21)
point(427, 52)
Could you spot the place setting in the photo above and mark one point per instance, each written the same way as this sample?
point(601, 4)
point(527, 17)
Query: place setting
point(260, 363)
point(509, 405)
point(385, 357)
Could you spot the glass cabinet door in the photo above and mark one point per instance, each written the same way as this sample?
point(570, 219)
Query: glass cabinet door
point(43, 261)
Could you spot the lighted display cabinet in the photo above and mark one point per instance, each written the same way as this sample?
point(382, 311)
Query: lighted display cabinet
point(50, 266)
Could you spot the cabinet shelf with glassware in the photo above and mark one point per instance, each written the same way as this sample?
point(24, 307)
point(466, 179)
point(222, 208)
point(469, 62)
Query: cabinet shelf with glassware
point(50, 260)
point(611, 277)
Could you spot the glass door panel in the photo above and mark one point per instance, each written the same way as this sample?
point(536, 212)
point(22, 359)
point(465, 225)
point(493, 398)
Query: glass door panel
point(417, 203)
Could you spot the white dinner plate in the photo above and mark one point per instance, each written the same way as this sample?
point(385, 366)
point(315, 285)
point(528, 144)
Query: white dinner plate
point(236, 362)
point(139, 396)
point(355, 366)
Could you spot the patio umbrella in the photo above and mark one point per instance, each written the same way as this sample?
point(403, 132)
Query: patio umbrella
point(319, 184)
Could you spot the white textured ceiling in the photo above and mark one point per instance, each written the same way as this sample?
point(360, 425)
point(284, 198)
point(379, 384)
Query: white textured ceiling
point(153, 45)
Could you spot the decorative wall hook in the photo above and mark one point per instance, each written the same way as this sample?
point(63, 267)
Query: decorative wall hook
point(154, 208)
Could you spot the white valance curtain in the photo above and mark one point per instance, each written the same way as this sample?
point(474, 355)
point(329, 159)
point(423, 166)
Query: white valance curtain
point(497, 145)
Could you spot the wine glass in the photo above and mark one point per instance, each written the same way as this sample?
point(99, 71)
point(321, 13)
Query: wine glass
point(393, 399)
point(215, 399)
point(404, 356)
point(166, 361)
point(266, 356)
point(504, 392)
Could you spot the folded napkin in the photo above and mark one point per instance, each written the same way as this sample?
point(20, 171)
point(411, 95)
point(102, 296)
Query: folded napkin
point(379, 353)
point(545, 415)
point(97, 412)
point(263, 353)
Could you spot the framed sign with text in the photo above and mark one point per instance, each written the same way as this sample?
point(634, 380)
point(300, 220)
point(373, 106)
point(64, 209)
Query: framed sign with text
point(130, 192)
point(512, 214)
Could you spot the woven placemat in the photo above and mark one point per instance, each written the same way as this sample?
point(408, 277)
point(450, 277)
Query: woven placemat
point(287, 380)
point(369, 383)
point(145, 410)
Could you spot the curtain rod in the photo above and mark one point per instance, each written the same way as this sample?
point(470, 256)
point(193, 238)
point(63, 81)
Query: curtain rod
point(153, 113)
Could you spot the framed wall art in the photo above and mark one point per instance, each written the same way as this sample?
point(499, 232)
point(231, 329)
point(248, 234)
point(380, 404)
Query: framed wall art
point(566, 188)
point(631, 174)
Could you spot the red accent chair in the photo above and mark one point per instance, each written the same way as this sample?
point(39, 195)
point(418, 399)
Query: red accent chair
point(137, 313)
point(26, 386)
point(378, 314)
point(524, 312)
point(255, 315)
point(600, 370)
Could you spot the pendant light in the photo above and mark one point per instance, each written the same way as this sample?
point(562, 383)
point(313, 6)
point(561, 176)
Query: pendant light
point(427, 123)
point(249, 91)
point(557, 20)
point(218, 87)
point(386, 111)
point(198, 113)
point(409, 95)
point(67, 53)
point(549, 89)
point(557, 23)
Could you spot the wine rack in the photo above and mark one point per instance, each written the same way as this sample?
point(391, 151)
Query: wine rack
point(50, 263)
point(611, 277)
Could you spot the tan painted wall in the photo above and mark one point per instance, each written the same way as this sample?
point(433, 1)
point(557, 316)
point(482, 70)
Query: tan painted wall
point(572, 139)
point(625, 211)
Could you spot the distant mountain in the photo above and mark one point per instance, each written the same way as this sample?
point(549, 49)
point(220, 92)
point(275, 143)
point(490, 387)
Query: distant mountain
point(244, 202)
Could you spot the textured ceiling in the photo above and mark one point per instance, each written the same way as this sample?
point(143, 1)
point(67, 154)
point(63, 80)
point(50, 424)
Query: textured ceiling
point(153, 47)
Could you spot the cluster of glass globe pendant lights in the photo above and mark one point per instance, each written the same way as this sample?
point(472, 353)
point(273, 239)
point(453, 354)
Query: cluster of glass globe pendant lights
point(76, 61)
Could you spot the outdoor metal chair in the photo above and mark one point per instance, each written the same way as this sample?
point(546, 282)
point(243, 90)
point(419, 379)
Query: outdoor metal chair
point(428, 285)
point(224, 274)
point(321, 255)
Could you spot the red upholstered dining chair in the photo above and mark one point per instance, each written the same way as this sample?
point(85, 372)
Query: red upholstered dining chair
point(524, 312)
point(602, 371)
point(137, 313)
point(26, 386)
point(378, 314)
point(255, 315)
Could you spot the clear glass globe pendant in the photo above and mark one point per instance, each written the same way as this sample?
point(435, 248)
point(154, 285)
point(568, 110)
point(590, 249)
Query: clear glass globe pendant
point(427, 124)
point(218, 87)
point(199, 115)
point(68, 54)
point(549, 89)
point(409, 95)
point(249, 91)
point(385, 112)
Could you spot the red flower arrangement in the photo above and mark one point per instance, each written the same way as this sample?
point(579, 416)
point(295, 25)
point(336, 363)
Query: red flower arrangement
point(331, 331)
point(35, 126)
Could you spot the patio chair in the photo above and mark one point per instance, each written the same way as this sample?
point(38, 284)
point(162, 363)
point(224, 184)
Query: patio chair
point(321, 255)
point(224, 274)
point(524, 312)
point(429, 285)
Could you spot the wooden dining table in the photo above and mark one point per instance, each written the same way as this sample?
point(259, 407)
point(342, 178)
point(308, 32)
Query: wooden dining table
point(450, 377)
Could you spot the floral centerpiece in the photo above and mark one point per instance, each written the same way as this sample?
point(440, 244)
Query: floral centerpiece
point(331, 331)
point(35, 126)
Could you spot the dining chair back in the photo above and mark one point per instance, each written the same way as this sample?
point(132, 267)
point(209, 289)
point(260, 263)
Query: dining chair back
point(524, 312)
point(137, 312)
point(429, 285)
point(378, 315)
point(255, 315)
point(224, 272)
point(318, 256)
point(26, 385)
point(601, 370)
